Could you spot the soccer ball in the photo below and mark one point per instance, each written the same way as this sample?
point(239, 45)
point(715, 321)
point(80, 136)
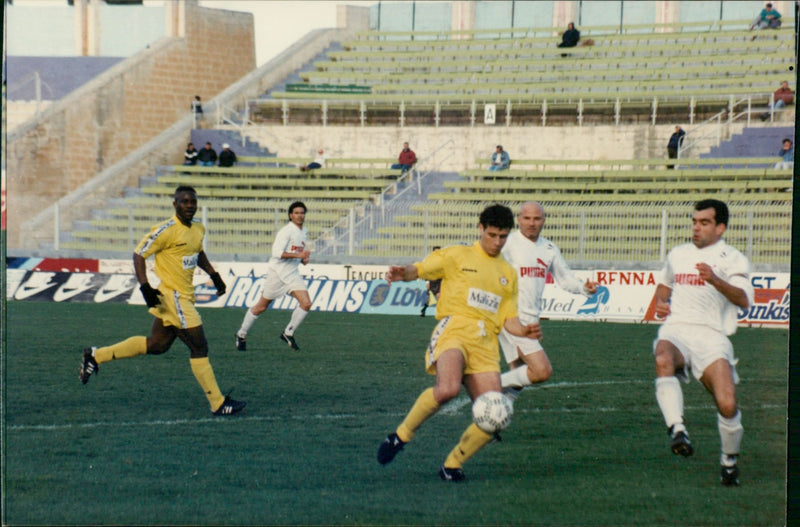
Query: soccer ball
point(492, 412)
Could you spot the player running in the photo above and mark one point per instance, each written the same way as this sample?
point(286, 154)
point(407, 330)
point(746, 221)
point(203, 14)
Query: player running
point(703, 285)
point(178, 248)
point(283, 276)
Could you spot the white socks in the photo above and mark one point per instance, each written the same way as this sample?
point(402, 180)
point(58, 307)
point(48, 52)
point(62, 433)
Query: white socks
point(730, 434)
point(297, 317)
point(516, 378)
point(247, 323)
point(249, 319)
point(670, 400)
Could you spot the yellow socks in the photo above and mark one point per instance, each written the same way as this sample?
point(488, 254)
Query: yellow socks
point(471, 441)
point(122, 350)
point(201, 367)
point(424, 407)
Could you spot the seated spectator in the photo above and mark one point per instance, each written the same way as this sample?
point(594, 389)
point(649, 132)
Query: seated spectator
point(782, 97)
point(500, 159)
point(319, 162)
point(787, 155)
point(207, 156)
point(406, 160)
point(227, 158)
point(767, 18)
point(190, 156)
point(570, 37)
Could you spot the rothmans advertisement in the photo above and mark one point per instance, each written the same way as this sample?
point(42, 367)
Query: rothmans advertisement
point(622, 295)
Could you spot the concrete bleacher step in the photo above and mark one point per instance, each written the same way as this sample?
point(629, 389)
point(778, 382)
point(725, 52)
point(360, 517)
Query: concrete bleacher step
point(130, 192)
point(201, 136)
point(294, 77)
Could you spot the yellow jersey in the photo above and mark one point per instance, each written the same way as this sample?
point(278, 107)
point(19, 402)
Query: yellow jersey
point(474, 284)
point(176, 248)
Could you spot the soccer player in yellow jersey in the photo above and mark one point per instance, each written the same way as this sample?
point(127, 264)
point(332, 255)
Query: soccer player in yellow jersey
point(478, 297)
point(178, 248)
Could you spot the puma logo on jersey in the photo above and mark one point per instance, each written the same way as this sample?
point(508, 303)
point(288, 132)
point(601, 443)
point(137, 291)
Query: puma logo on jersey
point(689, 279)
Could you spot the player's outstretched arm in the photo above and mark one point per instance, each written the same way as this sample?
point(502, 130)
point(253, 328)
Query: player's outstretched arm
point(515, 327)
point(401, 273)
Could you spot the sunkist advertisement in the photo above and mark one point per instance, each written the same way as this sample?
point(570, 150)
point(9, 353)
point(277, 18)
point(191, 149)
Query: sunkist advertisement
point(622, 295)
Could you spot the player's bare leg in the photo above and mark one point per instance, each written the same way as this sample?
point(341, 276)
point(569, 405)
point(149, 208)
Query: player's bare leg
point(718, 379)
point(669, 396)
point(527, 369)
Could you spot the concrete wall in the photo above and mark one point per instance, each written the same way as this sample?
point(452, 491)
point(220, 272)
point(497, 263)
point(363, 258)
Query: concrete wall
point(98, 124)
point(562, 142)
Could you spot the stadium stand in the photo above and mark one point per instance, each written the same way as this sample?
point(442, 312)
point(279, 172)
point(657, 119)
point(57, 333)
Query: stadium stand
point(606, 210)
point(239, 199)
point(669, 63)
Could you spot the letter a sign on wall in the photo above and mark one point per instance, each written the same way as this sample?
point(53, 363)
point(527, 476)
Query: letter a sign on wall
point(489, 112)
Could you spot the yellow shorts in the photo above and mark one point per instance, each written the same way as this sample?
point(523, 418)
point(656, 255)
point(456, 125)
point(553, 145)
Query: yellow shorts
point(176, 310)
point(479, 347)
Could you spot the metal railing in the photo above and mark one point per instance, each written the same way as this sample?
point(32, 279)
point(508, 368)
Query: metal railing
point(615, 234)
point(366, 217)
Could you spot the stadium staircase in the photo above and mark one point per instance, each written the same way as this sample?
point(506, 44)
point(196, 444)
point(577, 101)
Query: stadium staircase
point(240, 144)
point(754, 141)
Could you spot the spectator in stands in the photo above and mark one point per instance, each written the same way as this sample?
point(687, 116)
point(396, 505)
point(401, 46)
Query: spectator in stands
point(197, 111)
point(782, 97)
point(319, 161)
point(787, 155)
point(227, 158)
point(767, 18)
point(207, 156)
point(570, 38)
point(675, 143)
point(197, 107)
point(500, 159)
point(190, 156)
point(406, 160)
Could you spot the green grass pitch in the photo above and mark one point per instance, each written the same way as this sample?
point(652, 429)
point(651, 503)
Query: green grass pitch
point(137, 445)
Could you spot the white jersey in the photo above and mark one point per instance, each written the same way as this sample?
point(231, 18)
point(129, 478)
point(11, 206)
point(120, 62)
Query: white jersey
point(694, 301)
point(290, 239)
point(533, 260)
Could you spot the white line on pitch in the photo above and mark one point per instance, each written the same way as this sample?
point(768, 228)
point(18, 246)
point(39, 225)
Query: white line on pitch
point(450, 409)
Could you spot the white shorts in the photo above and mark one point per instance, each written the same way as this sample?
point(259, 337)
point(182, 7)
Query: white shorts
point(700, 346)
point(274, 287)
point(509, 344)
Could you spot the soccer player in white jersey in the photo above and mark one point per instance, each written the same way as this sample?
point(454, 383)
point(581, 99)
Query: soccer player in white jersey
point(283, 276)
point(533, 256)
point(703, 285)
